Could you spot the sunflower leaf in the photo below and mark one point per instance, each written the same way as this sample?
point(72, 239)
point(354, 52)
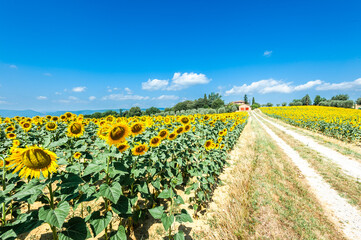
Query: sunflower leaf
point(111, 192)
point(76, 229)
point(119, 235)
point(98, 223)
point(55, 217)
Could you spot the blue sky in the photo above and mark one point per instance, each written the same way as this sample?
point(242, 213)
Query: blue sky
point(72, 55)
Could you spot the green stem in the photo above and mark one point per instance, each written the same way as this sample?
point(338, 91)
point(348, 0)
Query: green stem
point(4, 187)
point(52, 206)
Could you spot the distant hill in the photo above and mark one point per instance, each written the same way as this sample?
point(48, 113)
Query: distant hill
point(32, 113)
point(25, 113)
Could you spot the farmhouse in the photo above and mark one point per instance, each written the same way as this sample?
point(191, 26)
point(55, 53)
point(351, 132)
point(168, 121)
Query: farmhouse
point(242, 106)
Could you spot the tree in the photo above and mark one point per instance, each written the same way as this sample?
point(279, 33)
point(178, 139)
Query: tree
point(306, 100)
point(269, 104)
point(255, 105)
point(278, 104)
point(284, 104)
point(214, 96)
point(358, 101)
point(340, 97)
point(152, 111)
point(317, 100)
point(245, 99)
point(135, 111)
point(253, 101)
point(217, 103)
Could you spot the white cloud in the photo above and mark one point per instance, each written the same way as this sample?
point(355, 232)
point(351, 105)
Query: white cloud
point(354, 85)
point(47, 74)
point(13, 66)
point(58, 93)
point(185, 80)
point(309, 84)
point(91, 98)
point(128, 90)
point(41, 98)
point(3, 102)
point(79, 89)
point(267, 53)
point(166, 97)
point(72, 98)
point(121, 97)
point(178, 82)
point(270, 86)
point(155, 84)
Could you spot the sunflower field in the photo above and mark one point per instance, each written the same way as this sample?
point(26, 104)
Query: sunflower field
point(341, 123)
point(90, 178)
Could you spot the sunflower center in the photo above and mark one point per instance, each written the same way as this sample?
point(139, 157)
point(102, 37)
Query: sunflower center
point(26, 125)
point(51, 125)
point(208, 143)
point(155, 140)
point(36, 158)
point(137, 128)
point(162, 134)
point(75, 128)
point(117, 133)
point(140, 149)
point(179, 130)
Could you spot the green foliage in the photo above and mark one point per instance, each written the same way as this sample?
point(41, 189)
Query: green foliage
point(342, 97)
point(152, 111)
point(134, 111)
point(245, 99)
point(104, 114)
point(306, 100)
point(255, 106)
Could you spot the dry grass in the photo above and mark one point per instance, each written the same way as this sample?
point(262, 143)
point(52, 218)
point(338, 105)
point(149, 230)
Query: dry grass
point(347, 186)
point(267, 197)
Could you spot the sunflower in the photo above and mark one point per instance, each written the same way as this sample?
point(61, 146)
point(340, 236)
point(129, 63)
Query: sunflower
point(68, 114)
point(167, 120)
point(63, 118)
point(219, 139)
point(77, 155)
point(155, 141)
point(109, 119)
point(184, 120)
point(180, 130)
point(75, 129)
point(26, 126)
point(172, 136)
point(30, 161)
point(16, 143)
point(103, 132)
point(123, 146)
point(51, 126)
point(208, 145)
point(163, 134)
point(140, 149)
point(187, 127)
point(55, 118)
point(11, 135)
point(137, 128)
point(48, 117)
point(117, 133)
point(10, 129)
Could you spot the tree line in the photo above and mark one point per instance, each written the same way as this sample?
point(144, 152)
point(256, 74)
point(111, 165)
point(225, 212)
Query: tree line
point(211, 103)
